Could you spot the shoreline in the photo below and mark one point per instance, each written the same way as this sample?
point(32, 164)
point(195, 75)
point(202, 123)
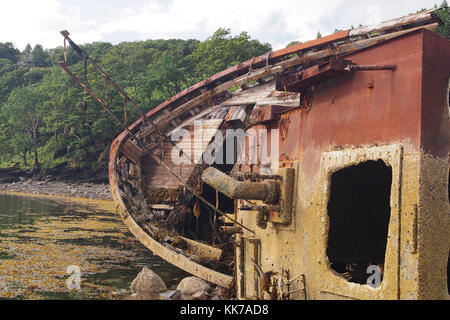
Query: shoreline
point(55, 188)
point(213, 293)
point(106, 204)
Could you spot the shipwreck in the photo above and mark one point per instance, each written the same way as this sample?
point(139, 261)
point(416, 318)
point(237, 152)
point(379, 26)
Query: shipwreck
point(347, 194)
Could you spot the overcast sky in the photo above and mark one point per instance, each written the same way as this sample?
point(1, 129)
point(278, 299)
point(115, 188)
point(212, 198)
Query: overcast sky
point(277, 22)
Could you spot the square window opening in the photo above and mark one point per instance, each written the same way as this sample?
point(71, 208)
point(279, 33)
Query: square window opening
point(359, 212)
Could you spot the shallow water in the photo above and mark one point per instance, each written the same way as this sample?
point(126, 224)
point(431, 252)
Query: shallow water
point(41, 237)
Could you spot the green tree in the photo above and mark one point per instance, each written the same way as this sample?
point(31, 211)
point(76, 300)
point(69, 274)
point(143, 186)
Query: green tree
point(167, 74)
point(11, 78)
point(39, 57)
point(8, 51)
point(27, 51)
point(25, 56)
point(23, 114)
point(222, 50)
point(293, 43)
point(444, 15)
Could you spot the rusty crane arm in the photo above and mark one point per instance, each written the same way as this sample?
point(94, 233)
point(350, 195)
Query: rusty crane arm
point(107, 108)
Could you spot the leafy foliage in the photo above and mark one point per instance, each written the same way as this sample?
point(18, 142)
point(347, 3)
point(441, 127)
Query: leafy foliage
point(292, 43)
point(444, 15)
point(221, 51)
point(8, 51)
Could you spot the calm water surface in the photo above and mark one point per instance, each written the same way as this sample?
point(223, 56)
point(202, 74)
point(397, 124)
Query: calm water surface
point(40, 238)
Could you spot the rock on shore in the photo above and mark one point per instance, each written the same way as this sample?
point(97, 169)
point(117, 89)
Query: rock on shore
point(194, 288)
point(148, 283)
point(59, 188)
point(59, 181)
point(149, 286)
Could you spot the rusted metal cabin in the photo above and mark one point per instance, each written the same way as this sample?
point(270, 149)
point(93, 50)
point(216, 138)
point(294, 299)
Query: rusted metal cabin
point(370, 154)
point(360, 178)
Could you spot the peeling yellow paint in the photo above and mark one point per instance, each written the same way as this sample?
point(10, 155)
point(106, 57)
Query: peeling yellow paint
point(419, 213)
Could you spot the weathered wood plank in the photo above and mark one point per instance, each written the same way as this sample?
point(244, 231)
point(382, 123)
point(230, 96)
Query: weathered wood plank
point(203, 250)
point(131, 151)
point(422, 17)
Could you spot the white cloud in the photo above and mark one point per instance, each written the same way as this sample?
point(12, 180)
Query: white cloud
point(373, 13)
point(276, 22)
point(265, 19)
point(40, 21)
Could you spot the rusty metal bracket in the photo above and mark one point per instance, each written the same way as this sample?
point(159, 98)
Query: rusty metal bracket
point(301, 81)
point(284, 214)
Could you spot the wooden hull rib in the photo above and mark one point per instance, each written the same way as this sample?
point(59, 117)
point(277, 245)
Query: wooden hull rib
point(160, 250)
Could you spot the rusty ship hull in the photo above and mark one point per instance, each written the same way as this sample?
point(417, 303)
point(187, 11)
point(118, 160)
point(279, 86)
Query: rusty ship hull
point(365, 107)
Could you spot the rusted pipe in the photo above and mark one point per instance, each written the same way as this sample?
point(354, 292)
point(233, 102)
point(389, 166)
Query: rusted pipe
point(256, 208)
point(231, 229)
point(356, 67)
point(267, 191)
point(253, 176)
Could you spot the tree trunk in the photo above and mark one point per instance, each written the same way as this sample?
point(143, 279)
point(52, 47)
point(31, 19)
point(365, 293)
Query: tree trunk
point(24, 156)
point(36, 161)
point(35, 143)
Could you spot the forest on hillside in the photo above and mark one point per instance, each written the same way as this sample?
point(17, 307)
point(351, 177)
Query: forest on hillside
point(46, 120)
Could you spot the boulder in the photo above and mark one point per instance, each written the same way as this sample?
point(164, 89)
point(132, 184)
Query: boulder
point(170, 295)
point(148, 283)
point(200, 295)
point(191, 286)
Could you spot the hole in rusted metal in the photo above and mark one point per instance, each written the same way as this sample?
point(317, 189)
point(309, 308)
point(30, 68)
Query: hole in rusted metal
point(359, 211)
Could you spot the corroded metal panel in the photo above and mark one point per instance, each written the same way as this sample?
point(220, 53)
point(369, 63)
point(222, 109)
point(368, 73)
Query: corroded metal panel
point(436, 96)
point(361, 108)
point(302, 80)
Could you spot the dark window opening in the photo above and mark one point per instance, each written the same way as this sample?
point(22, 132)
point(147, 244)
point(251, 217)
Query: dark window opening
point(225, 204)
point(359, 212)
point(209, 221)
